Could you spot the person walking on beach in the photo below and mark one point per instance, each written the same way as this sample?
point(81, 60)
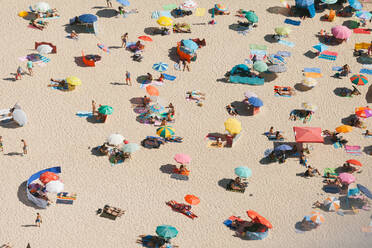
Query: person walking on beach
point(29, 67)
point(109, 3)
point(124, 39)
point(38, 220)
point(24, 147)
point(19, 73)
point(1, 144)
point(128, 81)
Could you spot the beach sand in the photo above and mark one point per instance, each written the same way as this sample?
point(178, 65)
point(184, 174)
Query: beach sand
point(56, 137)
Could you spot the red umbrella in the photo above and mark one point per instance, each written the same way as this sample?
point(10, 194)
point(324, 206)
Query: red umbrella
point(152, 90)
point(308, 134)
point(258, 218)
point(354, 162)
point(145, 38)
point(191, 199)
point(48, 176)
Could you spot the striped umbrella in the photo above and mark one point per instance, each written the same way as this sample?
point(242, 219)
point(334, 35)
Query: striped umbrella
point(156, 108)
point(359, 79)
point(160, 67)
point(276, 59)
point(363, 112)
point(165, 131)
point(316, 217)
point(332, 204)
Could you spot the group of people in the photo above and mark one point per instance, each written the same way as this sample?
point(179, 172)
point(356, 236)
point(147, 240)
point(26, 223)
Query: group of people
point(41, 24)
point(298, 114)
point(96, 114)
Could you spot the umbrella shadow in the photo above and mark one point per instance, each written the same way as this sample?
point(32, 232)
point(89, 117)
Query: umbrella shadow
point(167, 168)
point(310, 54)
point(22, 196)
point(139, 110)
point(301, 87)
point(114, 47)
point(268, 76)
point(299, 227)
point(13, 154)
point(367, 150)
point(369, 94)
point(141, 79)
point(10, 79)
point(237, 27)
point(30, 16)
point(94, 151)
point(364, 59)
point(9, 123)
point(278, 10)
point(224, 182)
point(136, 101)
point(98, 7)
point(328, 140)
point(331, 41)
point(341, 91)
point(93, 119)
point(149, 30)
point(79, 61)
point(242, 108)
point(107, 13)
point(347, 120)
point(117, 83)
point(270, 38)
point(351, 24)
point(266, 161)
point(172, 54)
point(80, 29)
point(223, 80)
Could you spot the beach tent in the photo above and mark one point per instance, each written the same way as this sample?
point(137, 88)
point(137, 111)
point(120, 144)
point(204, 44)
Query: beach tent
point(306, 4)
point(308, 134)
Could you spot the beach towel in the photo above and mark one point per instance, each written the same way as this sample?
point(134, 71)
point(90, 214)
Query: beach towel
point(145, 83)
point(200, 12)
point(50, 18)
point(292, 22)
point(353, 150)
point(63, 201)
point(170, 6)
point(210, 144)
point(84, 114)
point(337, 68)
point(260, 54)
point(257, 47)
point(329, 53)
point(367, 66)
point(366, 71)
point(361, 31)
point(314, 69)
point(169, 77)
point(286, 43)
point(277, 94)
point(43, 59)
point(33, 27)
point(57, 87)
point(313, 75)
point(331, 171)
point(284, 53)
point(328, 56)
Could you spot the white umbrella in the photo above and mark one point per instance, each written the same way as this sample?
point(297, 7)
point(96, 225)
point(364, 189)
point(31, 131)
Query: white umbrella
point(55, 186)
point(20, 117)
point(44, 49)
point(189, 4)
point(309, 106)
point(309, 82)
point(42, 7)
point(249, 94)
point(115, 139)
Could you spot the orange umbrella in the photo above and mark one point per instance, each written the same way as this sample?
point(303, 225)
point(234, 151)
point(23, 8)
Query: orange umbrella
point(145, 38)
point(152, 90)
point(191, 199)
point(354, 162)
point(48, 176)
point(344, 129)
point(258, 218)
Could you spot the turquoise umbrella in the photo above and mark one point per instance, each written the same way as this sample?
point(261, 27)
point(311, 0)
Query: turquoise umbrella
point(166, 231)
point(320, 47)
point(251, 17)
point(131, 147)
point(243, 171)
point(105, 110)
point(260, 66)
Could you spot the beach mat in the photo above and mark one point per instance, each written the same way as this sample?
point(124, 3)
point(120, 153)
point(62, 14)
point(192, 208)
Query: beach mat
point(366, 71)
point(84, 114)
point(200, 12)
point(169, 77)
point(64, 201)
point(286, 43)
point(257, 47)
point(284, 53)
point(314, 69)
point(361, 31)
point(367, 66)
point(278, 95)
point(169, 6)
point(292, 22)
point(313, 75)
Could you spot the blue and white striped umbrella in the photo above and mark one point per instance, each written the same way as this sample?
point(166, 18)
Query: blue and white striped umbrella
point(160, 67)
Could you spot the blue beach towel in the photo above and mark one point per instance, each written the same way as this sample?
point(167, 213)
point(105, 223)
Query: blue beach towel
point(169, 77)
point(316, 70)
point(276, 94)
point(286, 43)
point(337, 68)
point(284, 53)
point(84, 114)
point(366, 71)
point(292, 22)
point(328, 57)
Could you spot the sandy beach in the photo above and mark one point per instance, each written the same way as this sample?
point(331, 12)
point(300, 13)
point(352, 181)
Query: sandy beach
point(57, 137)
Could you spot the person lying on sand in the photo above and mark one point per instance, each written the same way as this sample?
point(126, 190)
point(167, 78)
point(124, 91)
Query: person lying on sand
point(278, 136)
point(310, 172)
point(335, 182)
point(35, 24)
point(231, 110)
point(237, 184)
point(104, 149)
point(61, 83)
point(346, 167)
point(271, 131)
point(74, 35)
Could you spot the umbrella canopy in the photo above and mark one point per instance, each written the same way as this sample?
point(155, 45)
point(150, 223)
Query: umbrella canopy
point(363, 112)
point(329, 1)
point(358, 79)
point(189, 4)
point(341, 32)
point(309, 82)
point(344, 129)
point(346, 178)
point(260, 66)
point(249, 94)
point(190, 44)
point(105, 110)
point(332, 204)
point(284, 30)
point(320, 47)
point(115, 139)
point(73, 81)
point(48, 176)
point(166, 231)
point(20, 117)
point(42, 7)
point(309, 106)
point(130, 148)
point(251, 17)
point(355, 4)
point(191, 199)
point(160, 67)
point(255, 102)
point(363, 15)
point(182, 158)
point(88, 18)
point(145, 38)
point(44, 49)
point(152, 90)
point(304, 3)
point(277, 68)
point(156, 108)
point(365, 191)
point(256, 217)
point(233, 126)
point(55, 186)
point(283, 147)
point(220, 7)
point(165, 131)
point(243, 172)
point(123, 2)
point(316, 217)
point(354, 162)
point(308, 134)
point(165, 21)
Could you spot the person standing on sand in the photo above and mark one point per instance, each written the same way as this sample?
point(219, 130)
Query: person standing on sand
point(24, 147)
point(124, 39)
point(128, 81)
point(19, 73)
point(109, 3)
point(38, 220)
point(1, 144)
point(29, 67)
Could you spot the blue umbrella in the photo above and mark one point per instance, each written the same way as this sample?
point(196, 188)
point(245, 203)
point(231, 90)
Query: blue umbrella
point(255, 102)
point(88, 18)
point(243, 171)
point(190, 45)
point(320, 47)
point(160, 67)
point(283, 147)
point(304, 3)
point(363, 15)
point(355, 4)
point(365, 191)
point(123, 2)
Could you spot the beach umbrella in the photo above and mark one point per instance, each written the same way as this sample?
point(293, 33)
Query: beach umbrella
point(256, 217)
point(249, 94)
point(189, 4)
point(309, 82)
point(233, 126)
point(363, 15)
point(268, 152)
point(255, 102)
point(365, 191)
point(123, 2)
point(308, 134)
point(354, 162)
point(55, 186)
point(152, 90)
point(191, 199)
point(309, 106)
point(355, 4)
point(48, 176)
point(276, 59)
point(277, 68)
point(320, 47)
point(329, 1)
point(260, 66)
point(251, 17)
point(73, 81)
point(88, 18)
point(304, 3)
point(283, 147)
point(20, 117)
point(182, 158)
point(105, 110)
point(346, 178)
point(220, 7)
point(166, 231)
point(160, 67)
point(165, 131)
point(332, 204)
point(358, 79)
point(23, 13)
point(165, 21)
point(344, 129)
point(130, 148)
point(363, 112)
point(42, 7)
point(243, 172)
point(44, 49)
point(316, 217)
point(156, 108)
point(341, 32)
point(284, 30)
point(145, 38)
point(115, 139)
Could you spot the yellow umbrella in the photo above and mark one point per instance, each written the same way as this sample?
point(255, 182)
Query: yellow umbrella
point(283, 30)
point(165, 21)
point(344, 129)
point(233, 126)
point(73, 81)
point(23, 13)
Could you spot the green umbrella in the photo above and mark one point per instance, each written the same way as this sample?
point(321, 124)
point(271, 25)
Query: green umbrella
point(166, 231)
point(284, 30)
point(251, 17)
point(131, 147)
point(105, 110)
point(260, 66)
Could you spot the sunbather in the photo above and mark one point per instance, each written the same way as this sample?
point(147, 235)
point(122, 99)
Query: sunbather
point(74, 35)
point(307, 116)
point(231, 110)
point(346, 167)
point(146, 101)
point(103, 149)
point(271, 131)
point(36, 25)
point(182, 208)
point(335, 182)
point(60, 83)
point(237, 184)
point(310, 172)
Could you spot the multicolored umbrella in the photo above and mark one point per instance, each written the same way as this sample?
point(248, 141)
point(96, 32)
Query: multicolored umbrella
point(276, 59)
point(156, 108)
point(243, 172)
point(354, 162)
point(309, 106)
point(220, 7)
point(346, 178)
point(152, 90)
point(165, 131)
point(255, 102)
point(115, 139)
point(332, 204)
point(260, 66)
point(123, 2)
point(165, 21)
point(284, 30)
point(191, 199)
point(256, 217)
point(309, 82)
point(145, 38)
point(341, 32)
point(358, 79)
point(251, 17)
point(233, 126)
point(316, 217)
point(182, 158)
point(283, 147)
point(166, 231)
point(73, 81)
point(344, 129)
point(160, 67)
point(363, 112)
point(130, 148)
point(105, 110)
point(363, 15)
point(320, 47)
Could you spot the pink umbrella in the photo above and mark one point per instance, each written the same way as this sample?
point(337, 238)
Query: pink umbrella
point(346, 178)
point(182, 158)
point(341, 32)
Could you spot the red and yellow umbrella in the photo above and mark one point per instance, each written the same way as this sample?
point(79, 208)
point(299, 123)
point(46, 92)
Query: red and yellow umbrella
point(191, 199)
point(359, 79)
